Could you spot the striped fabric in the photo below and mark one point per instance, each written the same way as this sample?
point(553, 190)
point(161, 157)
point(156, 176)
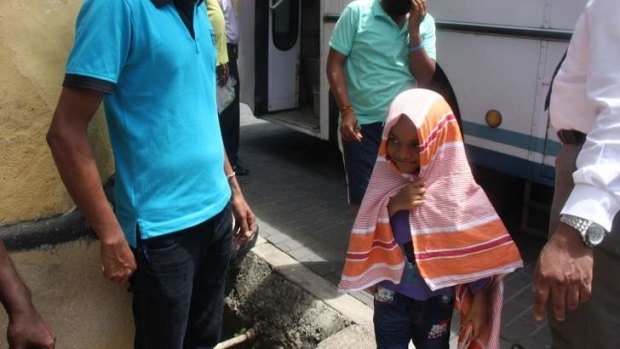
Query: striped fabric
point(457, 235)
point(489, 334)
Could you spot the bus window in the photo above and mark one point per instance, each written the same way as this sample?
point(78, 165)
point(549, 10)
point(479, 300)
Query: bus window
point(286, 24)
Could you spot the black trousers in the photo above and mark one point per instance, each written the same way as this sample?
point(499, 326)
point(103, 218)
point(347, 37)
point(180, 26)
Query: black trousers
point(178, 288)
point(230, 117)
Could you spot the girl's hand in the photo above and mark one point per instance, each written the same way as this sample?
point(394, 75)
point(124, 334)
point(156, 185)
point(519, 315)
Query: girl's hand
point(410, 196)
point(479, 313)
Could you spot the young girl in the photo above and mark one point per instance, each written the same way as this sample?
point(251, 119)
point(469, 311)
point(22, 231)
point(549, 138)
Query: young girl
point(426, 238)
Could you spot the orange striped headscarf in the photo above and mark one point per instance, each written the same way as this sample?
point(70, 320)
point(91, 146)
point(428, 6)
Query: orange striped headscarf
point(457, 235)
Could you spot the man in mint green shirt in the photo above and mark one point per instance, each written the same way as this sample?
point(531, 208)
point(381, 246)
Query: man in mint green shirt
point(379, 48)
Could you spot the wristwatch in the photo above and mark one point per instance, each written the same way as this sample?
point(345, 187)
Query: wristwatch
point(591, 233)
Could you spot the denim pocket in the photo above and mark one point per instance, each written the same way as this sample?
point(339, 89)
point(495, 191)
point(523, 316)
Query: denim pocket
point(163, 254)
point(162, 243)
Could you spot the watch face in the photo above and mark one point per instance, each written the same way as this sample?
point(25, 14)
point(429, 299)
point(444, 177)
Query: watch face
point(595, 234)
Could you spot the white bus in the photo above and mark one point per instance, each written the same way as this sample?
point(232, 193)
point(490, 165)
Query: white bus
point(498, 55)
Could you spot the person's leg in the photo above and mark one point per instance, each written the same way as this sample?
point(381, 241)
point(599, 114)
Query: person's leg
point(161, 287)
point(392, 322)
point(359, 160)
point(207, 303)
point(432, 328)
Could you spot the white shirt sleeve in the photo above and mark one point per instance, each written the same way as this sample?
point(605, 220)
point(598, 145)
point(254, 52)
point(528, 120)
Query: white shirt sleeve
point(232, 26)
point(596, 195)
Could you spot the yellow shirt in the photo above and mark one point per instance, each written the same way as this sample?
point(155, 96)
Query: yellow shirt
point(216, 16)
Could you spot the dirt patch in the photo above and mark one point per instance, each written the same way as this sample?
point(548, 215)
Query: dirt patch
point(285, 315)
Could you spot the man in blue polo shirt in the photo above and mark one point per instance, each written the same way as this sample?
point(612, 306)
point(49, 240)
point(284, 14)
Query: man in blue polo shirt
point(152, 62)
point(379, 48)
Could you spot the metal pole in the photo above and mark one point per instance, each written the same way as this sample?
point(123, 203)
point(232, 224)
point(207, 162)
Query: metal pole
point(229, 343)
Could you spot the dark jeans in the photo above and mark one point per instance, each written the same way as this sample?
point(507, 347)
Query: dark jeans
point(426, 323)
point(230, 117)
point(359, 160)
point(178, 288)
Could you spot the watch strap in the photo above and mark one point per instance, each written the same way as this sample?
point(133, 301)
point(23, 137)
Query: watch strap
point(582, 225)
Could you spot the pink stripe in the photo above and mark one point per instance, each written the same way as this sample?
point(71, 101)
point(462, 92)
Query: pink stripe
point(355, 257)
point(433, 135)
point(376, 243)
point(386, 244)
point(466, 250)
point(371, 278)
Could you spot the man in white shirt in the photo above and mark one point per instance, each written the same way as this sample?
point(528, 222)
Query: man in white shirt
point(230, 117)
point(578, 271)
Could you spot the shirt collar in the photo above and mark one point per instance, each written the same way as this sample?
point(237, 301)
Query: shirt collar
point(377, 10)
point(162, 3)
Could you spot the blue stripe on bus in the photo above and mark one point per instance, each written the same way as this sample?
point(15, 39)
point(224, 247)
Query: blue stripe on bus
point(539, 173)
point(512, 138)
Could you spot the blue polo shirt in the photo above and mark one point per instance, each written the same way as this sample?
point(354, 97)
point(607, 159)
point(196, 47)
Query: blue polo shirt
point(161, 114)
point(377, 66)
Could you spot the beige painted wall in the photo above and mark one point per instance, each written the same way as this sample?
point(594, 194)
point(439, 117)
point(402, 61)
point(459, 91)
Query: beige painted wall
point(84, 310)
point(35, 39)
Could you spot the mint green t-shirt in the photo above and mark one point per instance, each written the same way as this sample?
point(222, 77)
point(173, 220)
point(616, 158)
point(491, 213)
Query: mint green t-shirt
point(377, 66)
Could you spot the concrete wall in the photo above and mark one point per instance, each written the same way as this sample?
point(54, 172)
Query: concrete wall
point(83, 309)
point(35, 39)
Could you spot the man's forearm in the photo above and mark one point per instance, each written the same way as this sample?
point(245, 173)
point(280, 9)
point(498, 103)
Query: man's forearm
point(232, 178)
point(14, 294)
point(81, 178)
point(420, 64)
point(78, 170)
point(339, 89)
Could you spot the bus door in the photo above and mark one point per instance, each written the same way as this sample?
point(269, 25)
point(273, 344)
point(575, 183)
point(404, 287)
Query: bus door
point(269, 51)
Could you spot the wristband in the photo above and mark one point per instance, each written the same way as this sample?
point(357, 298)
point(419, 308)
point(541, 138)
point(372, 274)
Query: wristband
point(230, 175)
point(346, 109)
point(416, 48)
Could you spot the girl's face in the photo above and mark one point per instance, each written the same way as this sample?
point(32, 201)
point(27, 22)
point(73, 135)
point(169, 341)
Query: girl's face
point(403, 146)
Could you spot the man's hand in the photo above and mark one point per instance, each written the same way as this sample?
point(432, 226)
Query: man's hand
point(245, 220)
point(563, 272)
point(416, 15)
point(410, 196)
point(27, 330)
point(222, 72)
point(349, 129)
point(117, 260)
